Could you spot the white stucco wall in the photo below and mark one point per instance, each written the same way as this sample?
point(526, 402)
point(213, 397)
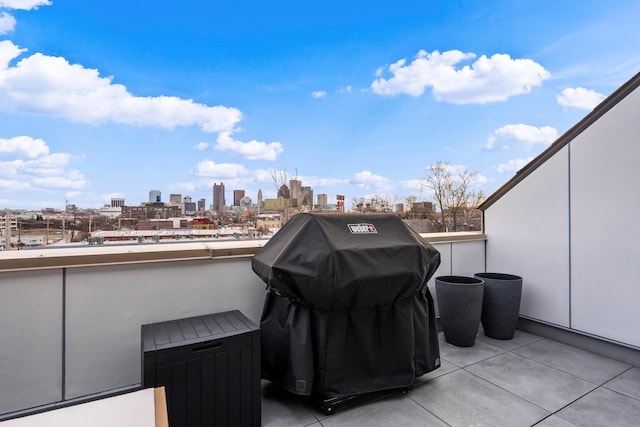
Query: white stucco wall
point(107, 305)
point(605, 234)
point(30, 339)
point(528, 235)
point(569, 229)
point(458, 259)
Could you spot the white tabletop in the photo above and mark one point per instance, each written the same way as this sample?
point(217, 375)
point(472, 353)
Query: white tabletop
point(135, 409)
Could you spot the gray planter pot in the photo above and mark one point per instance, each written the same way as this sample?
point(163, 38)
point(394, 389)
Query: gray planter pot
point(460, 307)
point(501, 305)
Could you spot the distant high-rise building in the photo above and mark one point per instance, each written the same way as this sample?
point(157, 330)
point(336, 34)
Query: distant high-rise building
point(189, 208)
point(218, 197)
point(323, 201)
point(155, 196)
point(422, 208)
point(306, 198)
point(202, 205)
point(187, 199)
point(151, 211)
point(117, 202)
point(237, 196)
point(296, 192)
point(283, 192)
point(340, 202)
point(259, 200)
point(175, 198)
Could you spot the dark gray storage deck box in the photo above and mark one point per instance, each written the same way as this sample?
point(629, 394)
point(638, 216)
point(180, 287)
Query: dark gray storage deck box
point(210, 367)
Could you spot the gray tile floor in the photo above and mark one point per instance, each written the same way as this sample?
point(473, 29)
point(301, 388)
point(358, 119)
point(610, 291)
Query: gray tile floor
point(525, 381)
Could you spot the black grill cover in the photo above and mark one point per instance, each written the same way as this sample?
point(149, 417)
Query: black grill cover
point(347, 310)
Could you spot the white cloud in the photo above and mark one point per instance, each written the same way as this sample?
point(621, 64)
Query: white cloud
point(209, 168)
point(47, 85)
point(487, 79)
point(580, 97)
point(346, 89)
point(263, 175)
point(513, 165)
point(23, 4)
point(41, 171)
point(316, 182)
point(25, 146)
point(457, 170)
point(7, 23)
point(52, 164)
point(8, 51)
point(367, 180)
point(72, 179)
point(480, 180)
point(201, 146)
point(414, 184)
point(252, 150)
point(521, 133)
point(491, 143)
point(14, 185)
point(10, 168)
point(319, 94)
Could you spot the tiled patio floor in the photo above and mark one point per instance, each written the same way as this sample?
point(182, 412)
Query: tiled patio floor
point(525, 381)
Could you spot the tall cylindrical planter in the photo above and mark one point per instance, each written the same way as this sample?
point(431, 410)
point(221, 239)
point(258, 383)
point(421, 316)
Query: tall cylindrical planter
point(501, 305)
point(460, 307)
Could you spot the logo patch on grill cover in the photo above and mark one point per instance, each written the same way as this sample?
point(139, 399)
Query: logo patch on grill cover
point(362, 228)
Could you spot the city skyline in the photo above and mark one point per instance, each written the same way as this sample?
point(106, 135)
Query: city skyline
point(101, 102)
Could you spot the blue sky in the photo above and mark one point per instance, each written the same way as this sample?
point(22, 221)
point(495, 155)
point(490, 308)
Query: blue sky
point(114, 99)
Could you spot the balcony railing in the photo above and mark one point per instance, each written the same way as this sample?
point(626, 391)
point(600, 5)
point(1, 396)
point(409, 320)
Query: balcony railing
point(71, 317)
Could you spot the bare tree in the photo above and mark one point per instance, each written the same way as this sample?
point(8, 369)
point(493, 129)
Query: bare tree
point(381, 203)
point(452, 192)
point(358, 204)
point(279, 177)
point(471, 215)
point(375, 203)
point(281, 180)
point(408, 204)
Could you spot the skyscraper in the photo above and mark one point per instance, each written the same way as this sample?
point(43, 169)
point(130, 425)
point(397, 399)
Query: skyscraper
point(218, 197)
point(283, 192)
point(155, 196)
point(296, 192)
point(323, 200)
point(237, 196)
point(306, 197)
